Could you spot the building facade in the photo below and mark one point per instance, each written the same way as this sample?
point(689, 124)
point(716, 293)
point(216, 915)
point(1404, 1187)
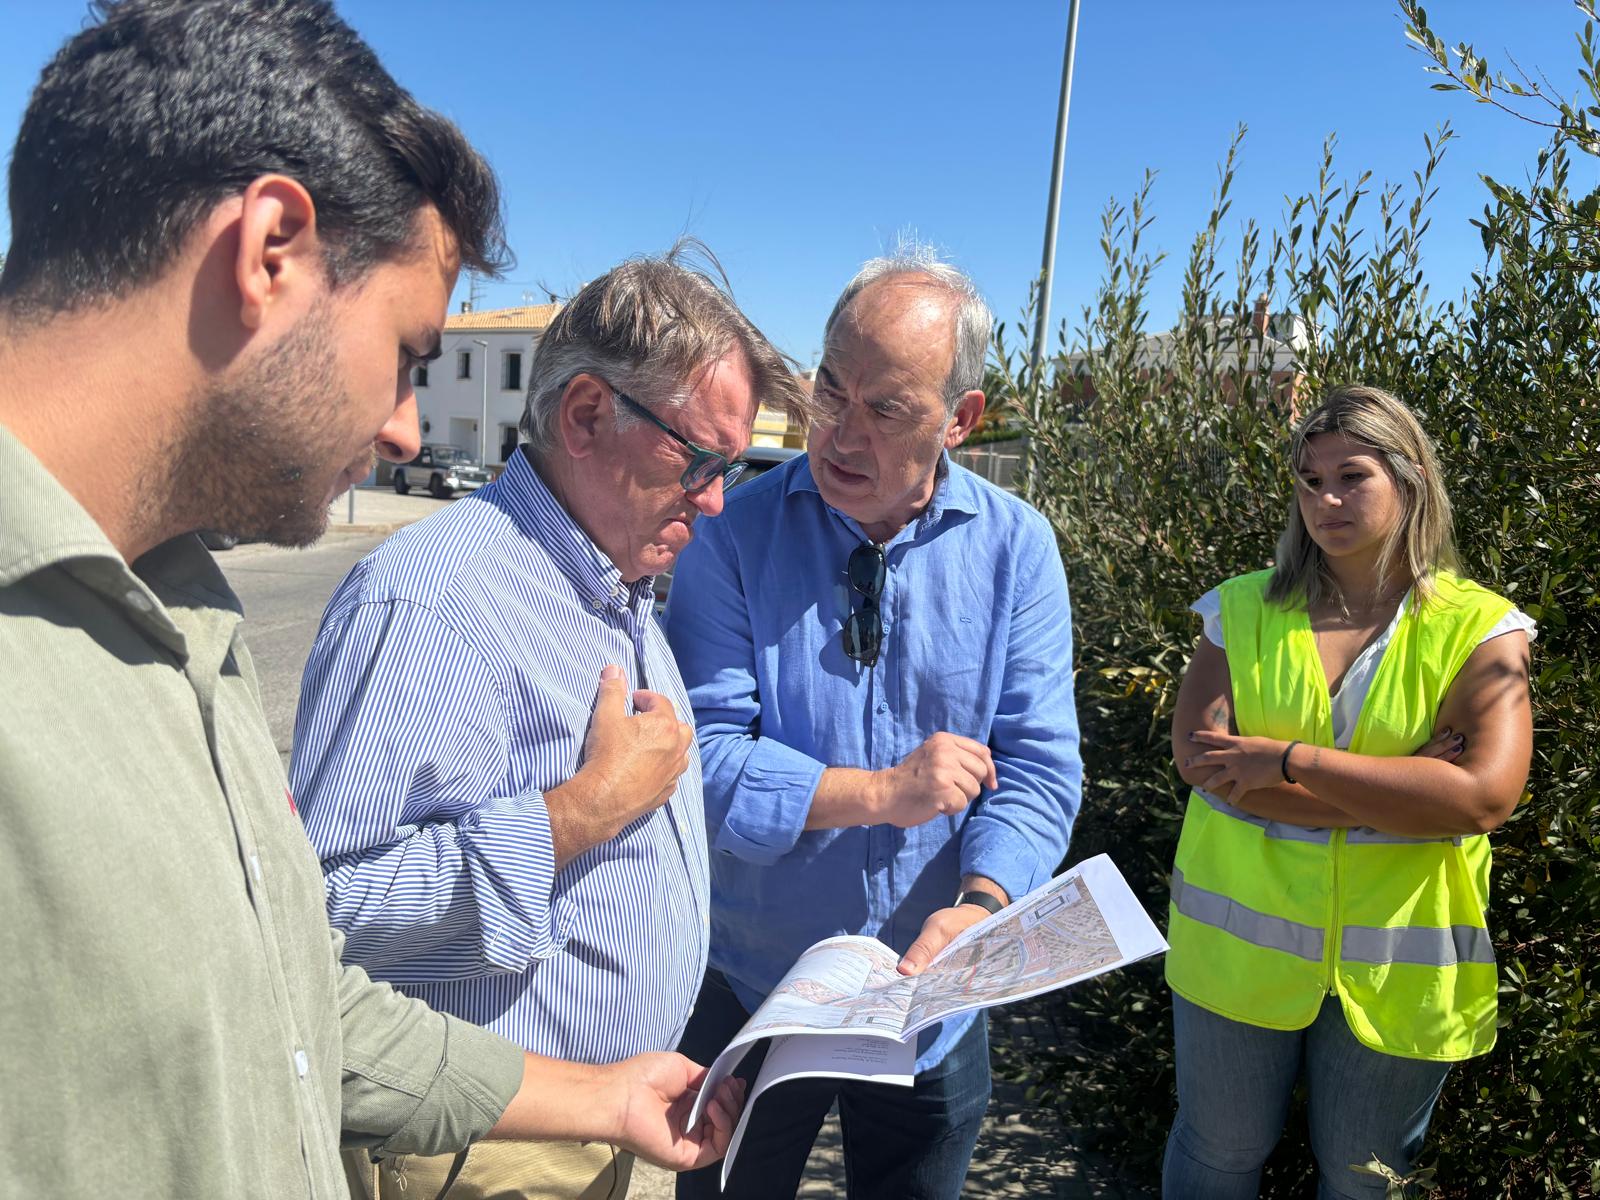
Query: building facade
point(471, 397)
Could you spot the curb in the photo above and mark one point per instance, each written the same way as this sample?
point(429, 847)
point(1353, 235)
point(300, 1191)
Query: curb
point(384, 527)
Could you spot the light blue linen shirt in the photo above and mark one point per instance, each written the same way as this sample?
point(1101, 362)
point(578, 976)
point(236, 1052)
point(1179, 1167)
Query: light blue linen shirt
point(977, 642)
point(450, 686)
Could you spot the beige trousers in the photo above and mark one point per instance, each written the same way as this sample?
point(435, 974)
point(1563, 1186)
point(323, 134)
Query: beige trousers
point(498, 1171)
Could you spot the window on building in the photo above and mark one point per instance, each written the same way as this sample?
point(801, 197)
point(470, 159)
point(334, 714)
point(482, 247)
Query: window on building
point(511, 371)
point(463, 364)
point(419, 376)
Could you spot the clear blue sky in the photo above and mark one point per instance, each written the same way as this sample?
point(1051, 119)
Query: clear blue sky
point(796, 139)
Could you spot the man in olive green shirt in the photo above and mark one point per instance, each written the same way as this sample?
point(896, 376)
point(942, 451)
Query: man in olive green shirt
point(232, 236)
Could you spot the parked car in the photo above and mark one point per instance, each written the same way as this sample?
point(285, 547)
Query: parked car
point(761, 459)
point(443, 470)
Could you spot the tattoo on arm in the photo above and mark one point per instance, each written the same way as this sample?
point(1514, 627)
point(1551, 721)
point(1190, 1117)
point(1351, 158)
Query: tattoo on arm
point(1316, 757)
point(1219, 717)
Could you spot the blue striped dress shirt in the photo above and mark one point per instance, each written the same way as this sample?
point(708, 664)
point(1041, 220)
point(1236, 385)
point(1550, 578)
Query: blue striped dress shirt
point(451, 684)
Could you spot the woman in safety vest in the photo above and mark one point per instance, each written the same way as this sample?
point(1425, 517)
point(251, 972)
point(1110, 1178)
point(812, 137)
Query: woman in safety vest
point(1353, 723)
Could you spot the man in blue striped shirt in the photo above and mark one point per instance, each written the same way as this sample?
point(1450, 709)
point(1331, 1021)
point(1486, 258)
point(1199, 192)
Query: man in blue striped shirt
point(878, 647)
point(495, 839)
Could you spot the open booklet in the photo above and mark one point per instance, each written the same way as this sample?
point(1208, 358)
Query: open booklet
point(843, 1010)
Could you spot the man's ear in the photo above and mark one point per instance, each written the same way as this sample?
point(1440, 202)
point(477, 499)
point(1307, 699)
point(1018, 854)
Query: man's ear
point(279, 251)
point(965, 420)
point(585, 418)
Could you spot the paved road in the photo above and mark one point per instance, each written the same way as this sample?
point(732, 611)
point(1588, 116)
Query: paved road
point(284, 593)
point(1023, 1152)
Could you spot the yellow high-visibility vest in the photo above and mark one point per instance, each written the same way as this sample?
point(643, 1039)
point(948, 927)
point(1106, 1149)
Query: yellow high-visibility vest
point(1269, 918)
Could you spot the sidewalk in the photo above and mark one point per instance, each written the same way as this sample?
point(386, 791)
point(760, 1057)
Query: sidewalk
point(1023, 1153)
point(379, 510)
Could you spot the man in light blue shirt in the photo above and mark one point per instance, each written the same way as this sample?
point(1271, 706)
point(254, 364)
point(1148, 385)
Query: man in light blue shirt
point(488, 845)
point(878, 648)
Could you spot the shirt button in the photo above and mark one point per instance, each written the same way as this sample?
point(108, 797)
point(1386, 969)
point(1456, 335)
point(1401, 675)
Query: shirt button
point(883, 708)
point(597, 605)
point(302, 1064)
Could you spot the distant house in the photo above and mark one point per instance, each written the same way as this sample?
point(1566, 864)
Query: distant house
point(450, 390)
point(1269, 341)
point(483, 362)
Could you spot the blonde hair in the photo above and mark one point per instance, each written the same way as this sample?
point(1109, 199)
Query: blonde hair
point(1422, 541)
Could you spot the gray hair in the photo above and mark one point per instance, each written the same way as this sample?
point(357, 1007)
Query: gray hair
point(921, 266)
point(648, 327)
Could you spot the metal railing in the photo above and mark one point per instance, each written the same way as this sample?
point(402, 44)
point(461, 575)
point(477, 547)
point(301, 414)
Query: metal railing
point(998, 462)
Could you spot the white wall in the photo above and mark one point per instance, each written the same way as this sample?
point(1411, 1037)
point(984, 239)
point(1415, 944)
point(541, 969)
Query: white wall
point(446, 402)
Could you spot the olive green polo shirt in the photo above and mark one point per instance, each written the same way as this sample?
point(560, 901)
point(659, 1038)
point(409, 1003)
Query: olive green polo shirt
point(174, 1017)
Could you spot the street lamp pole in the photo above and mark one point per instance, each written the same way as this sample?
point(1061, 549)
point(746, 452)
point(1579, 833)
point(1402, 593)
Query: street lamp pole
point(483, 420)
point(1053, 215)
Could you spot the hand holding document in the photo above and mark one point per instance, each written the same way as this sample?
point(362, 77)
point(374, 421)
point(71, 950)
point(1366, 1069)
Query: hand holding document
point(843, 1011)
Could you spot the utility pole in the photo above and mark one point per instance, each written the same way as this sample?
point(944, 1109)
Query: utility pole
point(1053, 212)
point(1052, 218)
point(483, 420)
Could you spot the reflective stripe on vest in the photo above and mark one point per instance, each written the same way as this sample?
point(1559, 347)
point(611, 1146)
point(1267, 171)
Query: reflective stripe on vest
point(1365, 835)
point(1418, 944)
point(1360, 835)
point(1257, 928)
point(1282, 830)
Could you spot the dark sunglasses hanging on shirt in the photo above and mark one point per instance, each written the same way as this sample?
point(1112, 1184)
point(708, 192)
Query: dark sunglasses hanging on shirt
point(863, 630)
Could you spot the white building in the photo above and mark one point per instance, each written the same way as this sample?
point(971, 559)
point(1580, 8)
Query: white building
point(455, 390)
point(482, 368)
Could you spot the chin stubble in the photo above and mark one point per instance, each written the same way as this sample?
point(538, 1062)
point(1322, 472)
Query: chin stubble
point(249, 462)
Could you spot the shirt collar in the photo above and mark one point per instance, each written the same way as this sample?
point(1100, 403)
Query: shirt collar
point(46, 527)
point(954, 491)
point(44, 524)
point(540, 516)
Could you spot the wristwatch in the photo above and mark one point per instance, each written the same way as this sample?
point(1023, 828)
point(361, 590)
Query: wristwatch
point(983, 900)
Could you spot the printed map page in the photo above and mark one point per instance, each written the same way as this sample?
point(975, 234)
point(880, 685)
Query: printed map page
point(842, 983)
point(845, 990)
point(1082, 923)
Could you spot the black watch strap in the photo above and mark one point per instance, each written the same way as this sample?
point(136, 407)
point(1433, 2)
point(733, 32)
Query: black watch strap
point(983, 900)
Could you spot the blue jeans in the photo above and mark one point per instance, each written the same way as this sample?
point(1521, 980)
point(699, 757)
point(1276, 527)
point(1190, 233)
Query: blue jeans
point(899, 1143)
point(1234, 1085)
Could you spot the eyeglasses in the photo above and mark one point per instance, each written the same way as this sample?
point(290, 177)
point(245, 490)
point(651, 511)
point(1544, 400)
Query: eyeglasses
point(704, 465)
point(863, 630)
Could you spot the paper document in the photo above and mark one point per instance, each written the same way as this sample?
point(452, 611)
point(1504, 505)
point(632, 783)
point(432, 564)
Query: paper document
point(844, 1012)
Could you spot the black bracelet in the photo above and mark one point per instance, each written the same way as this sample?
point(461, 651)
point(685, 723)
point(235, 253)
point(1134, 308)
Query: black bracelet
point(1284, 765)
point(990, 904)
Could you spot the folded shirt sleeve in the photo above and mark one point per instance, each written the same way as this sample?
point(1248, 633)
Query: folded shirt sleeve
point(1018, 835)
point(758, 791)
point(414, 1081)
point(400, 751)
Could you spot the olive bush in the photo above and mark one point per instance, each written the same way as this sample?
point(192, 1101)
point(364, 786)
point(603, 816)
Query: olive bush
point(1160, 460)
